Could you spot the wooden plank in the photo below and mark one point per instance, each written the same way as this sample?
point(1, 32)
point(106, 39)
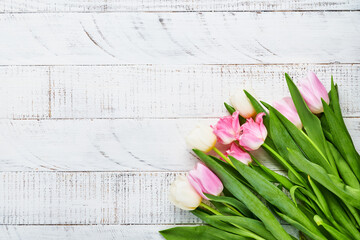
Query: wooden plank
point(106, 145)
point(162, 91)
point(138, 232)
point(180, 38)
point(154, 91)
point(40, 6)
point(24, 92)
point(88, 198)
point(99, 145)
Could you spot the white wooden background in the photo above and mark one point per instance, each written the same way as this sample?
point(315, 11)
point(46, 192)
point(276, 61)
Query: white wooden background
point(97, 96)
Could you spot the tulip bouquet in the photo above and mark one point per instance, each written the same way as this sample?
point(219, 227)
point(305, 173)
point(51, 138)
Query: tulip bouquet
point(240, 198)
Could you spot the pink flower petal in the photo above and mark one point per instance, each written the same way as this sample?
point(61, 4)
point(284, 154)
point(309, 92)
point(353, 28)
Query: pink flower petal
point(254, 133)
point(205, 181)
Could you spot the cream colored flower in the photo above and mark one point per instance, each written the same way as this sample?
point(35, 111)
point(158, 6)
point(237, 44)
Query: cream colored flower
point(183, 195)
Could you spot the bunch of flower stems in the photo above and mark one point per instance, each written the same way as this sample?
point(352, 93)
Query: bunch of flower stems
point(320, 196)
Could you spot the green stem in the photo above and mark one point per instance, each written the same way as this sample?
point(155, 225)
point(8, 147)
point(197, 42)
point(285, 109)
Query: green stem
point(223, 156)
point(203, 205)
point(329, 161)
point(286, 164)
point(245, 232)
point(232, 208)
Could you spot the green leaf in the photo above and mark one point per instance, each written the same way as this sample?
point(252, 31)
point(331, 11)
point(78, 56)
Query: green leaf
point(279, 178)
point(230, 109)
point(345, 171)
point(275, 196)
point(292, 193)
point(282, 139)
point(245, 195)
point(334, 232)
point(233, 202)
point(257, 106)
point(332, 183)
point(301, 227)
point(335, 104)
point(321, 200)
point(340, 216)
point(238, 230)
point(263, 172)
point(342, 140)
point(303, 141)
point(310, 122)
point(248, 223)
point(223, 209)
point(354, 212)
point(232, 171)
point(198, 233)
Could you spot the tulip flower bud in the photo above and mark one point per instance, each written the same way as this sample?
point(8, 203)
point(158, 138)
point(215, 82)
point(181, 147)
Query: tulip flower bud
point(287, 108)
point(242, 104)
point(205, 181)
point(236, 152)
point(253, 133)
point(202, 138)
point(227, 129)
point(183, 195)
point(312, 90)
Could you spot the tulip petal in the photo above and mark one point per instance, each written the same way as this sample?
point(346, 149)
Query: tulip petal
point(312, 90)
point(204, 180)
point(227, 129)
point(239, 154)
point(287, 108)
point(183, 195)
point(254, 133)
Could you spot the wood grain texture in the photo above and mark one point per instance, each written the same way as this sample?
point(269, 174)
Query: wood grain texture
point(180, 38)
point(106, 145)
point(138, 232)
point(163, 91)
point(24, 92)
point(88, 198)
point(16, 6)
point(154, 91)
point(99, 145)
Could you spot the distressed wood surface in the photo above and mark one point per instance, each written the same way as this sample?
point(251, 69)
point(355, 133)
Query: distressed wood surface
point(39, 6)
point(181, 91)
point(154, 91)
point(106, 145)
point(96, 98)
point(88, 198)
point(180, 38)
point(138, 232)
point(95, 232)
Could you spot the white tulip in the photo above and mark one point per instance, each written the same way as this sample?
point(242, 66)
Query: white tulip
point(242, 104)
point(202, 138)
point(183, 195)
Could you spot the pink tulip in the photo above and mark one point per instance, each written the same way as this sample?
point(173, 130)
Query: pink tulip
point(312, 90)
point(227, 129)
point(204, 180)
point(287, 108)
point(253, 133)
point(236, 152)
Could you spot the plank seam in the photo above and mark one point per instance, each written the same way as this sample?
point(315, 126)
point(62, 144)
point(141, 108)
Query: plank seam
point(127, 118)
point(195, 64)
point(187, 11)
